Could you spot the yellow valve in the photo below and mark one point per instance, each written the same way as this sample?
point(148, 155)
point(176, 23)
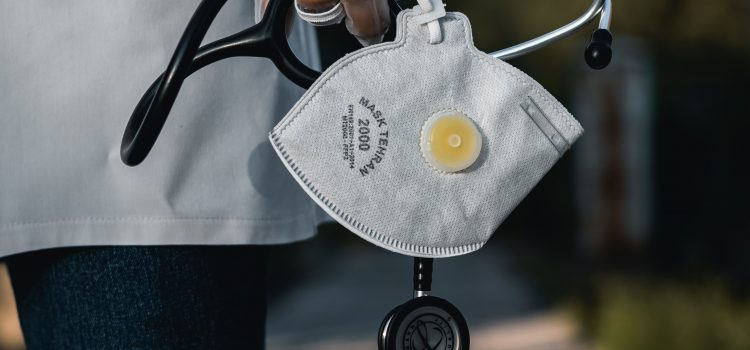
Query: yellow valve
point(450, 141)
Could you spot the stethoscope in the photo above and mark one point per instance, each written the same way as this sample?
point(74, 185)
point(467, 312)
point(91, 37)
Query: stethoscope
point(424, 322)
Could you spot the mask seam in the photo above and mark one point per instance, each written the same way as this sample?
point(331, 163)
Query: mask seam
point(400, 41)
point(544, 119)
point(405, 247)
point(337, 68)
point(388, 241)
point(568, 120)
point(383, 48)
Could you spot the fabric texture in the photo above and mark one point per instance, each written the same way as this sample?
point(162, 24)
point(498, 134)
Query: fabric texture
point(141, 297)
point(71, 73)
point(353, 140)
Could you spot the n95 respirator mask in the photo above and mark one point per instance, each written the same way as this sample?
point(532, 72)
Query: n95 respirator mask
point(423, 145)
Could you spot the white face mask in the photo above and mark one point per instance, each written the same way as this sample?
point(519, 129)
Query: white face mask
point(424, 145)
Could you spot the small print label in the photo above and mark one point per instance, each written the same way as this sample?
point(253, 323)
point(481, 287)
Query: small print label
point(364, 132)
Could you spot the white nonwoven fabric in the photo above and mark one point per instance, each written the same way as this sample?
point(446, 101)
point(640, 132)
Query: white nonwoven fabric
point(388, 194)
point(71, 73)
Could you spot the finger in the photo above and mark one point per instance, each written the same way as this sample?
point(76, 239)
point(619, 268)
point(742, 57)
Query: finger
point(368, 20)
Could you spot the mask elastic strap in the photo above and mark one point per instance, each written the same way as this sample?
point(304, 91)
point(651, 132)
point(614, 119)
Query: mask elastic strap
point(432, 10)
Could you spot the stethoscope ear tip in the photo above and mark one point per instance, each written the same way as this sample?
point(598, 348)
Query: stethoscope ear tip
point(128, 155)
point(129, 160)
point(598, 53)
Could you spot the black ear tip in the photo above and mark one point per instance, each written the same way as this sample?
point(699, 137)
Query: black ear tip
point(129, 157)
point(598, 54)
point(131, 162)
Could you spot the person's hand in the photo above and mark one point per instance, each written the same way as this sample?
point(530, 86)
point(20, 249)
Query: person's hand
point(367, 20)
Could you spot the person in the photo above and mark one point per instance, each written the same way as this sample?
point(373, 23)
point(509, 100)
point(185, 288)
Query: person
point(171, 253)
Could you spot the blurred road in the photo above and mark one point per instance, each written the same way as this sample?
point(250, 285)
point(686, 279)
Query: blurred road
point(342, 304)
point(348, 290)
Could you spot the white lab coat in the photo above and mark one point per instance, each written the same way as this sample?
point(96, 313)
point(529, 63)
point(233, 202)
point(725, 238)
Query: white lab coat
point(71, 73)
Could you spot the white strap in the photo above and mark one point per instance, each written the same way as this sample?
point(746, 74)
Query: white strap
point(332, 16)
point(432, 10)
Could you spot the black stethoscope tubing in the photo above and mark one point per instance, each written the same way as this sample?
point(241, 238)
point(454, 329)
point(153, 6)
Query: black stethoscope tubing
point(265, 39)
point(268, 39)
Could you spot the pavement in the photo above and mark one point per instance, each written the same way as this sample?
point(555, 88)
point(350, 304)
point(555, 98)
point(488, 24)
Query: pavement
point(342, 304)
point(348, 289)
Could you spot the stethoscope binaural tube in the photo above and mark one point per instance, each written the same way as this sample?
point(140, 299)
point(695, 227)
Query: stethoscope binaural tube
point(268, 39)
point(265, 39)
point(598, 53)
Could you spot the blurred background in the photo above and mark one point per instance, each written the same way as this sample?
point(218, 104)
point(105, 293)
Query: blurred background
point(637, 238)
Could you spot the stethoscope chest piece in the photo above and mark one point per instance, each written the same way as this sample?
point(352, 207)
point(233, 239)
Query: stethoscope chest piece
point(425, 322)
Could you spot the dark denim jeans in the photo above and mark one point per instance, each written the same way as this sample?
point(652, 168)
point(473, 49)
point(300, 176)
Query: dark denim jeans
point(177, 297)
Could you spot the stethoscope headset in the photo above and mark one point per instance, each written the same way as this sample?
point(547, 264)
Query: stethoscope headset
point(425, 322)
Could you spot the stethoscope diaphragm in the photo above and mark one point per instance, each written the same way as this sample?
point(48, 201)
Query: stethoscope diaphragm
point(425, 322)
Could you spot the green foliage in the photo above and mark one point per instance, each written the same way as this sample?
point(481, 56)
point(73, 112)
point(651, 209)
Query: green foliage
point(641, 316)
